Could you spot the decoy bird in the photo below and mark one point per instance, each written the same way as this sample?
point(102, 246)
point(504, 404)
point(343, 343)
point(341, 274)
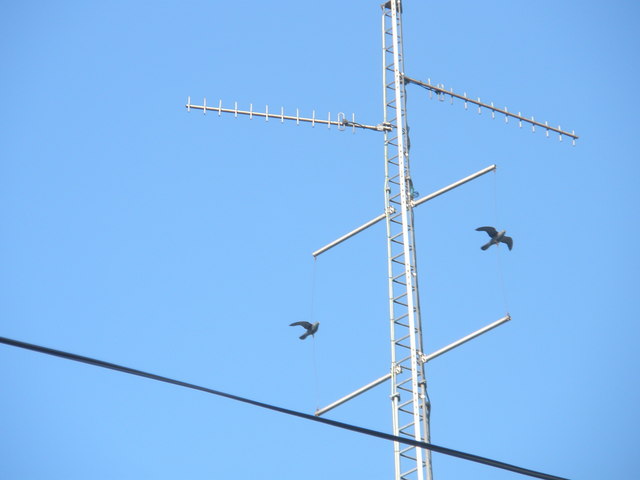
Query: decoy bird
point(310, 328)
point(496, 237)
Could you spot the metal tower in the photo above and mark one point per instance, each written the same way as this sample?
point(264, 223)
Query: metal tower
point(410, 403)
point(409, 398)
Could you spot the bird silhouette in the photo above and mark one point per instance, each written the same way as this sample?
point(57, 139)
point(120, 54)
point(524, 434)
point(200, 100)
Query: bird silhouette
point(311, 328)
point(496, 237)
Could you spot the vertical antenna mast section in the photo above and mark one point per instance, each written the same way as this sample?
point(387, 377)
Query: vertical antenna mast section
point(410, 405)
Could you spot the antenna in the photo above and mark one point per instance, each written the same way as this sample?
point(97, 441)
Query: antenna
point(441, 92)
point(409, 399)
point(341, 121)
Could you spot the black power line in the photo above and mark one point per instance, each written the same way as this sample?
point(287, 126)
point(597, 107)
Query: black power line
point(306, 416)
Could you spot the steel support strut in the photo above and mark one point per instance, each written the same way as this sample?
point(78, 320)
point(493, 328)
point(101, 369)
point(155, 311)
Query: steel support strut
point(409, 398)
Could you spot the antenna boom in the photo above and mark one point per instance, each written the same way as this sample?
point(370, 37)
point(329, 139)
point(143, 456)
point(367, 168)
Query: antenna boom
point(441, 91)
point(341, 122)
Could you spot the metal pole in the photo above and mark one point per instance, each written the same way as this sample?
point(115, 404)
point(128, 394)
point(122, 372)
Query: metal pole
point(424, 358)
point(410, 407)
point(350, 234)
point(471, 336)
point(454, 185)
point(382, 216)
point(354, 394)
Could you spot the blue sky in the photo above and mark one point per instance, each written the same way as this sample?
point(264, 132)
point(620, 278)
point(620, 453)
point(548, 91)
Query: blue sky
point(141, 234)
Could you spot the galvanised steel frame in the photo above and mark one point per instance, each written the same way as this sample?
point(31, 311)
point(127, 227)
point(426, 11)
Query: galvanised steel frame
point(410, 403)
point(409, 399)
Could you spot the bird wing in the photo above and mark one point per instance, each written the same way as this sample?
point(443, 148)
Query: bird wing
point(508, 241)
point(306, 325)
point(492, 232)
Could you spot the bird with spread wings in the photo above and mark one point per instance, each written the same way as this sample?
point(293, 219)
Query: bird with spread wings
point(496, 237)
point(311, 328)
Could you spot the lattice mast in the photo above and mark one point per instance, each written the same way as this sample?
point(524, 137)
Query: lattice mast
point(409, 398)
point(410, 404)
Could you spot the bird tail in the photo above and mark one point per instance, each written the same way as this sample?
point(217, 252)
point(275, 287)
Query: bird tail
point(304, 335)
point(484, 247)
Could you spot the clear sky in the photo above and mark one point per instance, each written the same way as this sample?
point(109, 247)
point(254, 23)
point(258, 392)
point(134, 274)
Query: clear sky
point(141, 234)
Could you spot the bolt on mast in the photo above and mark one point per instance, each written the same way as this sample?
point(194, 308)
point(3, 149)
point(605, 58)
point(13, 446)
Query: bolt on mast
point(410, 403)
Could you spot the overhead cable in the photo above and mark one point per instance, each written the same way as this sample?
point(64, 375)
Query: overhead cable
point(366, 431)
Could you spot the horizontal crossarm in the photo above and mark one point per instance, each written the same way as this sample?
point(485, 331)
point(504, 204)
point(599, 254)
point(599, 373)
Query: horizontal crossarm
point(414, 203)
point(440, 90)
point(471, 336)
point(423, 358)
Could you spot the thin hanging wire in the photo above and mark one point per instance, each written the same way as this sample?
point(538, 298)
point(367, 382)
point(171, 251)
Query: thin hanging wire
point(315, 374)
point(313, 290)
point(313, 337)
point(503, 288)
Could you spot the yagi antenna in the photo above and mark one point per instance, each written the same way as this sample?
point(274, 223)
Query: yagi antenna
point(341, 120)
point(441, 92)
